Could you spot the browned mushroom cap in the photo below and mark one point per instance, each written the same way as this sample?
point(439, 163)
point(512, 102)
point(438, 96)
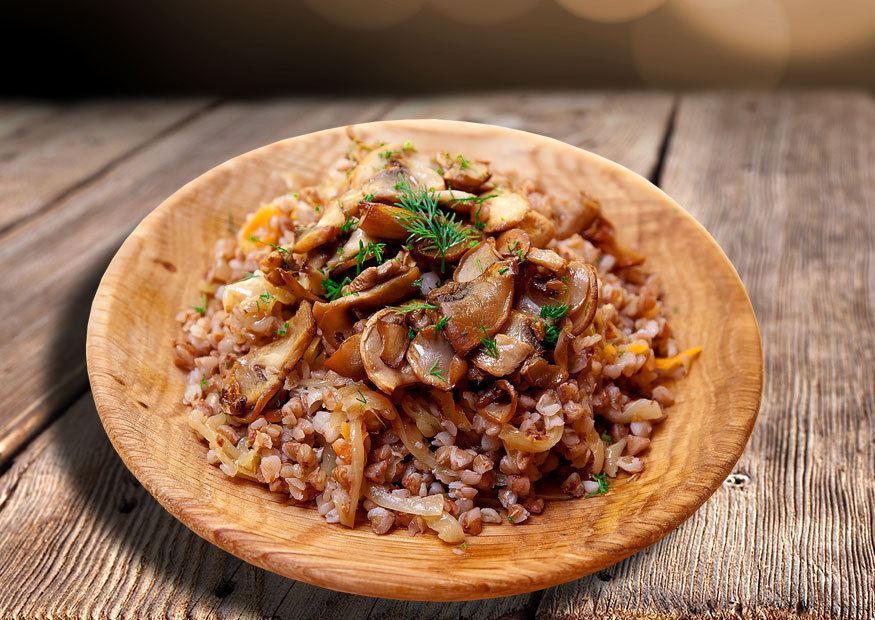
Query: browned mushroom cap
point(323, 231)
point(424, 249)
point(291, 282)
point(381, 221)
point(464, 174)
point(395, 340)
point(334, 319)
point(548, 259)
point(490, 404)
point(539, 372)
point(434, 360)
point(510, 354)
point(525, 328)
point(257, 376)
point(512, 210)
point(371, 345)
point(583, 295)
point(476, 260)
point(475, 306)
point(380, 170)
point(513, 242)
point(347, 360)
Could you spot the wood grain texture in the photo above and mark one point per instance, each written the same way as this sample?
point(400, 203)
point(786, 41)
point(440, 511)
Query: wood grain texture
point(138, 392)
point(63, 252)
point(48, 156)
point(786, 184)
point(627, 128)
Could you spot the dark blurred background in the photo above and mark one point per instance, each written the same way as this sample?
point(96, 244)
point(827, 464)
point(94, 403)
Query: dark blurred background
point(256, 47)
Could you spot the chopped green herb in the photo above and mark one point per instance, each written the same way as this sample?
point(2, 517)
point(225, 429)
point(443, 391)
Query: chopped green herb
point(411, 333)
point(426, 222)
point(340, 251)
point(440, 171)
point(279, 249)
point(204, 382)
point(479, 266)
point(437, 373)
point(552, 315)
point(602, 479)
point(463, 163)
point(388, 154)
point(463, 546)
point(348, 225)
point(414, 305)
point(265, 297)
point(332, 288)
point(554, 312)
point(620, 354)
point(296, 195)
point(605, 436)
point(418, 283)
point(316, 208)
point(202, 308)
point(372, 249)
point(441, 324)
point(282, 330)
point(488, 344)
point(408, 146)
point(369, 198)
point(510, 518)
point(502, 270)
point(362, 399)
point(249, 276)
point(227, 364)
point(564, 279)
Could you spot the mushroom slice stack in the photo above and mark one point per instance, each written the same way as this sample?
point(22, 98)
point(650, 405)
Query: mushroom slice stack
point(256, 377)
point(373, 350)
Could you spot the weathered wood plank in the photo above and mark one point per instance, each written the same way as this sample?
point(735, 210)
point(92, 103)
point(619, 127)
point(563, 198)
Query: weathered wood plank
point(45, 158)
point(785, 184)
point(625, 127)
point(60, 255)
point(78, 501)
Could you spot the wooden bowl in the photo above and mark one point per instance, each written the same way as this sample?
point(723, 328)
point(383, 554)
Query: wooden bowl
point(138, 390)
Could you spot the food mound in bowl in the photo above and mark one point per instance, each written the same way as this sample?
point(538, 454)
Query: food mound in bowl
point(427, 340)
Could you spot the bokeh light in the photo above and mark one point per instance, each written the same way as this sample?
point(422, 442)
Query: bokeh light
point(482, 12)
point(821, 29)
point(366, 14)
point(610, 11)
point(690, 43)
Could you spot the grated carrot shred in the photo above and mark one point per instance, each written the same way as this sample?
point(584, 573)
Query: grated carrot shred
point(638, 348)
point(669, 363)
point(610, 349)
point(344, 430)
point(259, 221)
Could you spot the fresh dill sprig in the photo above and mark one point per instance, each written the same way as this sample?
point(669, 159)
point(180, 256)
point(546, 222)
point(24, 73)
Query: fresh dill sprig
point(441, 324)
point(348, 225)
point(437, 373)
point(282, 330)
point(332, 288)
point(417, 283)
point(278, 248)
point(248, 276)
point(202, 308)
point(602, 479)
point(372, 249)
point(361, 398)
point(411, 333)
point(489, 345)
point(425, 222)
point(553, 314)
point(413, 305)
point(463, 163)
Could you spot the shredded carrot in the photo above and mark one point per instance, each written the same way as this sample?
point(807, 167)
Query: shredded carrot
point(610, 349)
point(638, 348)
point(259, 226)
point(344, 430)
point(669, 363)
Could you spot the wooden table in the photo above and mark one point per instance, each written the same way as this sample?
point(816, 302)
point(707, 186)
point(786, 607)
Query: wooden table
point(784, 182)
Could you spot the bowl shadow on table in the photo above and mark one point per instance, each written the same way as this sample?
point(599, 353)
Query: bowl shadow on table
point(186, 572)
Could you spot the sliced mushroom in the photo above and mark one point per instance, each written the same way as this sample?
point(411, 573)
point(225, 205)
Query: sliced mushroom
point(380, 170)
point(334, 319)
point(583, 295)
point(455, 200)
point(370, 277)
point(464, 174)
point(434, 360)
point(347, 360)
point(386, 378)
point(506, 210)
point(513, 242)
point(548, 259)
point(476, 260)
point(490, 404)
point(324, 231)
point(525, 328)
point(395, 341)
point(291, 282)
point(256, 377)
point(382, 221)
point(539, 372)
point(473, 307)
point(511, 353)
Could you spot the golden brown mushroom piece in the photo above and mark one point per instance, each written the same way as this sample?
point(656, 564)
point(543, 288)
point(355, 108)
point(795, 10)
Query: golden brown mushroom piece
point(476, 260)
point(434, 361)
point(256, 377)
point(583, 296)
point(323, 231)
point(347, 360)
point(473, 307)
point(371, 345)
point(508, 209)
point(464, 174)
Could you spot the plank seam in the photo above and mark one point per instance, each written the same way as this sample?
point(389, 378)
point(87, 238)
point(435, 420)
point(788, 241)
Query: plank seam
point(110, 166)
point(656, 174)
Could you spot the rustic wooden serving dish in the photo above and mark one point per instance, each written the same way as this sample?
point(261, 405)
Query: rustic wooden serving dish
point(138, 390)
